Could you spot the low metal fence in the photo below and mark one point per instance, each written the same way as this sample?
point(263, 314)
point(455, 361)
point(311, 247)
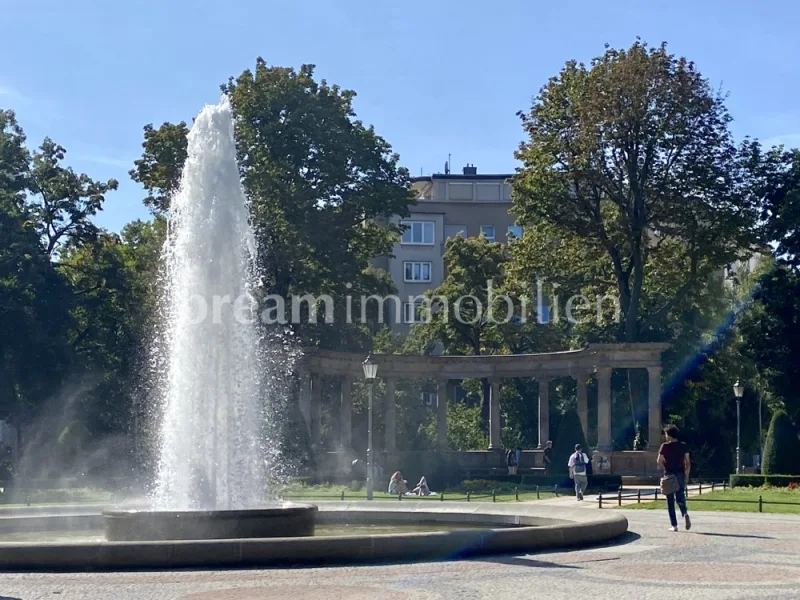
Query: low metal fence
point(655, 495)
point(439, 497)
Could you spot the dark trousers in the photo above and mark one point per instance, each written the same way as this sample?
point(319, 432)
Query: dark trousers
point(680, 498)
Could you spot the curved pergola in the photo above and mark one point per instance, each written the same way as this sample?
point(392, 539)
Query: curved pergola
point(595, 360)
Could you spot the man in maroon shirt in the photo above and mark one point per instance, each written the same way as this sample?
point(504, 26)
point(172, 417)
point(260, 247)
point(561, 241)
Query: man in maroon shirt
point(673, 456)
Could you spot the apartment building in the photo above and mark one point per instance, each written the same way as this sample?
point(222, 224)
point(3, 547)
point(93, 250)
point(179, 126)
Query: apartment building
point(447, 205)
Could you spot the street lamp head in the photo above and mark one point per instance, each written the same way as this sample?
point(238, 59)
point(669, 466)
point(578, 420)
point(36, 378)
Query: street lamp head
point(738, 389)
point(370, 367)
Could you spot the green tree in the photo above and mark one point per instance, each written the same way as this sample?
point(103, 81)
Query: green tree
point(469, 315)
point(14, 161)
point(569, 433)
point(781, 448)
point(630, 163)
point(458, 319)
point(771, 334)
point(632, 187)
point(322, 188)
point(464, 427)
point(63, 202)
point(34, 298)
point(106, 334)
point(457, 314)
point(159, 170)
point(768, 326)
point(781, 211)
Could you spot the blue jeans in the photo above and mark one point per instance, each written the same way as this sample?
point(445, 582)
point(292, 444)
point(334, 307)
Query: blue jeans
point(680, 497)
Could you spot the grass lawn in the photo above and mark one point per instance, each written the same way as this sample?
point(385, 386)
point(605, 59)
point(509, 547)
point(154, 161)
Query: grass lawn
point(738, 500)
point(334, 492)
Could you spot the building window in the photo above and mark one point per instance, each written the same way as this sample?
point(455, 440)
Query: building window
point(417, 271)
point(514, 232)
point(451, 231)
point(428, 398)
point(418, 232)
point(488, 232)
point(412, 312)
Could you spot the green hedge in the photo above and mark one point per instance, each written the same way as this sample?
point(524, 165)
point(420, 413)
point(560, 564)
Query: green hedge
point(781, 447)
point(759, 480)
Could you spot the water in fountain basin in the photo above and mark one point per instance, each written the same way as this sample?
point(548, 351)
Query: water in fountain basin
point(211, 451)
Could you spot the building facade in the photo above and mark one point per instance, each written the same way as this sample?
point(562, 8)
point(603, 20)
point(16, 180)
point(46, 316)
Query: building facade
point(466, 204)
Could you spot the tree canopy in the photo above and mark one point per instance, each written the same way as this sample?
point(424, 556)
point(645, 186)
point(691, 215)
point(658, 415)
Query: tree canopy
point(322, 187)
point(631, 170)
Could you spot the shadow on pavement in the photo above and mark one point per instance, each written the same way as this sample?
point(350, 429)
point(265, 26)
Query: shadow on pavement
point(518, 561)
point(522, 561)
point(623, 540)
point(736, 535)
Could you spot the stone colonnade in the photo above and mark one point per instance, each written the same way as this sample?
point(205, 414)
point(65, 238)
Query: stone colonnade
point(597, 360)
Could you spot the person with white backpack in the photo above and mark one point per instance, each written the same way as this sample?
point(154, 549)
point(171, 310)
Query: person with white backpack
point(577, 471)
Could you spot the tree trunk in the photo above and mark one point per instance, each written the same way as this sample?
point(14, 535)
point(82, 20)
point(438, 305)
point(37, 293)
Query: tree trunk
point(636, 392)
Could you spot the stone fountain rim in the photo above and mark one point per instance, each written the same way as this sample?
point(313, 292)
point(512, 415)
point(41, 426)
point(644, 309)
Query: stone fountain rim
point(557, 528)
point(240, 513)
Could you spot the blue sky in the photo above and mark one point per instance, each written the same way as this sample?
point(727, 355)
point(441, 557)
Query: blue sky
point(436, 78)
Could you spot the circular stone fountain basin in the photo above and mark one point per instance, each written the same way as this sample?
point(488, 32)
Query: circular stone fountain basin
point(493, 529)
point(296, 520)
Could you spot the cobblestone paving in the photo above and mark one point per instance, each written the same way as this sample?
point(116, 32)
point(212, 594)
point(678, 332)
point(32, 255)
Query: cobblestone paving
point(726, 555)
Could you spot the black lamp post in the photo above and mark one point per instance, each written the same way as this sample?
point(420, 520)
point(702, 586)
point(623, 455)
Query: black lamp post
point(370, 367)
point(738, 390)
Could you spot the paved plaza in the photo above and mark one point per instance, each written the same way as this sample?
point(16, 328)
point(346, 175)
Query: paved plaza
point(726, 555)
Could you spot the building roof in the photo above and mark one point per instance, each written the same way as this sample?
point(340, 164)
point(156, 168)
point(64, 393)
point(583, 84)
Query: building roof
point(455, 176)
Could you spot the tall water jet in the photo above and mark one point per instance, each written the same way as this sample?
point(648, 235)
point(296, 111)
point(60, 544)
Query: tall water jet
point(211, 451)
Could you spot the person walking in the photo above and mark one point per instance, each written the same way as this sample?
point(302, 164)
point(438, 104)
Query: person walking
point(673, 456)
point(547, 457)
point(577, 471)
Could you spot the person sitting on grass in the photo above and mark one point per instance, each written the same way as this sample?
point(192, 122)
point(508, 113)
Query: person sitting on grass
point(397, 485)
point(422, 488)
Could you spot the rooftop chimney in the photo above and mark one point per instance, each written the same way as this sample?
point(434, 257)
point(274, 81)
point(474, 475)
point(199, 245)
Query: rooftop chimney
point(470, 170)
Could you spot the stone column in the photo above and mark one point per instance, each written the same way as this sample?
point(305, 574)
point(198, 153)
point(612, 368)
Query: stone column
point(389, 414)
point(315, 428)
point(494, 416)
point(544, 410)
point(346, 415)
point(304, 398)
point(583, 405)
point(654, 408)
point(441, 414)
point(604, 409)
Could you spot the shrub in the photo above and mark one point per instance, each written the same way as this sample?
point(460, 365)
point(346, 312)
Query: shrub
point(476, 485)
point(782, 448)
point(570, 433)
point(486, 485)
point(762, 480)
point(495, 479)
